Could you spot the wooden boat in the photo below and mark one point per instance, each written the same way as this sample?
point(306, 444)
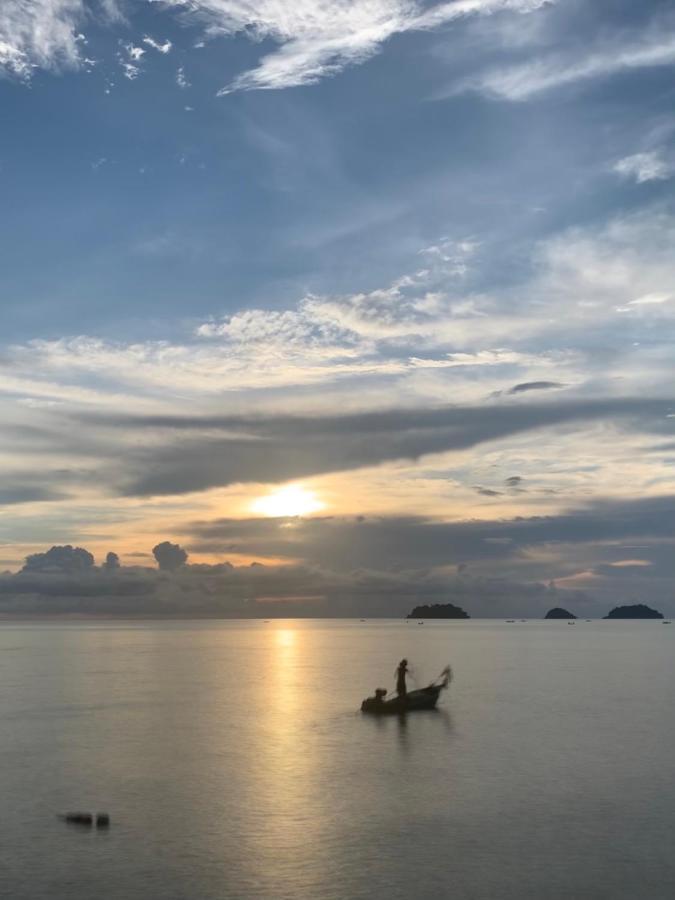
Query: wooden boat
point(424, 698)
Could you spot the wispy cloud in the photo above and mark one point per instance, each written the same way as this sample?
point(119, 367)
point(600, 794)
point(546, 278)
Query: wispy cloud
point(649, 166)
point(423, 326)
point(181, 78)
point(526, 80)
point(129, 58)
point(318, 38)
point(41, 33)
point(314, 38)
point(164, 47)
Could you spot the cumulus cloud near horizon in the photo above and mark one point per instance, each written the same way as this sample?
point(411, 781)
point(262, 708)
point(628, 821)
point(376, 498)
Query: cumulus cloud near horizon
point(257, 591)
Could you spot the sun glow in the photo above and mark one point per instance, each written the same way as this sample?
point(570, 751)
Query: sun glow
point(291, 500)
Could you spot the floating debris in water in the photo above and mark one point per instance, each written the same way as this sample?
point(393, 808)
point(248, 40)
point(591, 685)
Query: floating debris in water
point(101, 820)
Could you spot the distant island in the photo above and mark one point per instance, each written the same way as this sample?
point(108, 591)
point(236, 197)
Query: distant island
point(638, 611)
point(559, 613)
point(438, 611)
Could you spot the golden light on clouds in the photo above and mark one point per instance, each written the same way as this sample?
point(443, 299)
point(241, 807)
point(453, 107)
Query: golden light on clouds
point(290, 500)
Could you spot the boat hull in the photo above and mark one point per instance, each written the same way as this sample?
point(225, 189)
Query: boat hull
point(426, 698)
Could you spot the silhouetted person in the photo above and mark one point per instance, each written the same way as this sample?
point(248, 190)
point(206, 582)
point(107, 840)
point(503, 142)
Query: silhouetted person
point(401, 672)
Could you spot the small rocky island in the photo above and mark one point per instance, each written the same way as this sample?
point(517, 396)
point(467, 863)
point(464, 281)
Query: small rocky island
point(439, 611)
point(638, 611)
point(559, 613)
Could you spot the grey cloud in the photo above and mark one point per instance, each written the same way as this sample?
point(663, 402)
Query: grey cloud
point(169, 556)
point(29, 493)
point(112, 562)
point(44, 586)
point(60, 560)
point(266, 591)
point(535, 386)
point(408, 542)
point(197, 453)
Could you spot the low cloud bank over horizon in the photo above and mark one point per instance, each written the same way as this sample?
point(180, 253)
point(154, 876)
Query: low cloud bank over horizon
point(588, 560)
point(263, 591)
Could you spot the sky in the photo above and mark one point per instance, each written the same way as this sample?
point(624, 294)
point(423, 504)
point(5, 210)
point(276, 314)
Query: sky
point(362, 303)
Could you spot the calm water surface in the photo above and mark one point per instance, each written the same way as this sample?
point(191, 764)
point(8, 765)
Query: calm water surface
point(235, 765)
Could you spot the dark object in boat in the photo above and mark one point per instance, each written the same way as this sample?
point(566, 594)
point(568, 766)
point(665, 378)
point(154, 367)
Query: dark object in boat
point(638, 611)
point(425, 698)
point(438, 611)
point(559, 613)
point(101, 820)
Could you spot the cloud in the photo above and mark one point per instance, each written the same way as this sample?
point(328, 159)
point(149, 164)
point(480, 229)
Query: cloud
point(535, 386)
point(584, 313)
point(266, 591)
point(524, 81)
point(160, 48)
point(597, 538)
point(314, 38)
point(376, 565)
point(40, 33)
point(188, 454)
point(318, 38)
point(382, 542)
point(169, 556)
point(129, 58)
point(650, 300)
point(112, 562)
point(28, 493)
point(66, 559)
point(425, 325)
point(643, 167)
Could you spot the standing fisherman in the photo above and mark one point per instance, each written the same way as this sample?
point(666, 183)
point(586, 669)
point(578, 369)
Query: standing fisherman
point(401, 672)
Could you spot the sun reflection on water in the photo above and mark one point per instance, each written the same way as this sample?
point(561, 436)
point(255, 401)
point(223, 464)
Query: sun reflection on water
point(285, 637)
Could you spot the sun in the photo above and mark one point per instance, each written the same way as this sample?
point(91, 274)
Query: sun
point(291, 500)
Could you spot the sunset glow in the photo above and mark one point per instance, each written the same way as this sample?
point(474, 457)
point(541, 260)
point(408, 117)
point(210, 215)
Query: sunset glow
point(291, 500)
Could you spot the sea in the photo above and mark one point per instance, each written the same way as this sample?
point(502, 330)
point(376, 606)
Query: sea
point(235, 764)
